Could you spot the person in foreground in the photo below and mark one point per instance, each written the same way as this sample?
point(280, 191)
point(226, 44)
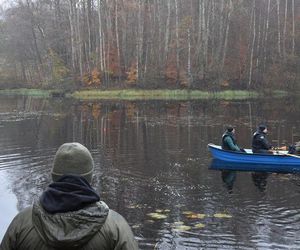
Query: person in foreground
point(260, 143)
point(69, 213)
point(229, 140)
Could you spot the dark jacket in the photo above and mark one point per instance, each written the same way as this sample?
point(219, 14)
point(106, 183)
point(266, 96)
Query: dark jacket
point(94, 226)
point(229, 142)
point(260, 143)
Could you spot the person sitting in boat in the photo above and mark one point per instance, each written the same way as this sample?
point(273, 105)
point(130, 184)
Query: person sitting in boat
point(260, 143)
point(294, 149)
point(229, 140)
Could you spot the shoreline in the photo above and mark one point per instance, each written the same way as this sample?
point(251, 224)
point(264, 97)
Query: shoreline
point(137, 94)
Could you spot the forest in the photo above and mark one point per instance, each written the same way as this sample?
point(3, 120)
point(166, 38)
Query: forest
point(150, 44)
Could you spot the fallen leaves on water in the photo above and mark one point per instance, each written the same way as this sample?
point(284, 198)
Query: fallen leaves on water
point(149, 221)
point(195, 216)
point(178, 223)
point(220, 215)
point(199, 225)
point(134, 206)
point(157, 216)
point(187, 212)
point(181, 228)
point(136, 226)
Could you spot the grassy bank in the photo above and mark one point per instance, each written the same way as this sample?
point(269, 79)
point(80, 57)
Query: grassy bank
point(132, 94)
point(27, 92)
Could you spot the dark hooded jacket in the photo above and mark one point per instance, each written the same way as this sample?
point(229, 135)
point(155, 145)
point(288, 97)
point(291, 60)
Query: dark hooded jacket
point(260, 143)
point(53, 222)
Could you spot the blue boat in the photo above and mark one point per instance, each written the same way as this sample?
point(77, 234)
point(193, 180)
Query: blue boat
point(234, 166)
point(248, 161)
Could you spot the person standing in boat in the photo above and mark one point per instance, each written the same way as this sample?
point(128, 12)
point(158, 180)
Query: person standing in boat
point(260, 143)
point(229, 140)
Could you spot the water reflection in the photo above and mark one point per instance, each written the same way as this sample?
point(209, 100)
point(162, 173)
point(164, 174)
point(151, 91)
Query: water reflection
point(151, 157)
point(228, 178)
point(260, 180)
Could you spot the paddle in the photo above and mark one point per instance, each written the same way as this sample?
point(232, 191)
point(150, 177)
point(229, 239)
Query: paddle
point(282, 153)
point(296, 156)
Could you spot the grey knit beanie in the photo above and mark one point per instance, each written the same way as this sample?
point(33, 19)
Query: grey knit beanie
point(73, 158)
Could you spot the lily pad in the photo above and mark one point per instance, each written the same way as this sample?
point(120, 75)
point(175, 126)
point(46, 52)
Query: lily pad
point(157, 216)
point(178, 223)
point(220, 215)
point(187, 212)
point(199, 225)
point(182, 228)
point(195, 216)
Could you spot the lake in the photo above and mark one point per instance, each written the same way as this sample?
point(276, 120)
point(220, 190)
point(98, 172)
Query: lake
point(152, 166)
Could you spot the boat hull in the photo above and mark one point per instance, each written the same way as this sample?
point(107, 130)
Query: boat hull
point(254, 162)
point(233, 166)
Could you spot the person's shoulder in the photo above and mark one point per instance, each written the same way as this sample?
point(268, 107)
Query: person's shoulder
point(115, 216)
point(23, 220)
point(115, 220)
point(24, 214)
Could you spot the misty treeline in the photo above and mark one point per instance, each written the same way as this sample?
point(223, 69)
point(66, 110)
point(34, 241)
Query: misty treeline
point(203, 44)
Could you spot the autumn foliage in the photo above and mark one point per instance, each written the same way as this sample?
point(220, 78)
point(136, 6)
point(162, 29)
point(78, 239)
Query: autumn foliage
point(93, 78)
point(132, 74)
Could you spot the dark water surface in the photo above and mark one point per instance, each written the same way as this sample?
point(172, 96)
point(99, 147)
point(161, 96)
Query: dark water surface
point(151, 157)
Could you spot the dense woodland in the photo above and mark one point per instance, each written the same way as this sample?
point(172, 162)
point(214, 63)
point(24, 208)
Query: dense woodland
point(195, 44)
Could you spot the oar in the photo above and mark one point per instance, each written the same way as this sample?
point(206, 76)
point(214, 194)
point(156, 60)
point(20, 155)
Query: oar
point(296, 156)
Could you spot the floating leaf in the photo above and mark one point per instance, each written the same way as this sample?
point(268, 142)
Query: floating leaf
point(195, 216)
point(182, 228)
point(167, 210)
point(199, 225)
point(158, 211)
point(149, 221)
point(133, 206)
point(157, 216)
point(187, 212)
point(136, 226)
point(178, 223)
point(219, 215)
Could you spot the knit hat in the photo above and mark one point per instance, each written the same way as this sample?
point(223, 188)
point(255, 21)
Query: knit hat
point(229, 128)
point(297, 146)
point(262, 127)
point(73, 158)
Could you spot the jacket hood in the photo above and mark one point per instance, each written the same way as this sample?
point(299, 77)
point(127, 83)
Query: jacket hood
point(70, 229)
point(68, 213)
point(68, 193)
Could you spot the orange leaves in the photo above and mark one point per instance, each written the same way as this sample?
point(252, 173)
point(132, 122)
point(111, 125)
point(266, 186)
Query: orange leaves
point(92, 78)
point(132, 74)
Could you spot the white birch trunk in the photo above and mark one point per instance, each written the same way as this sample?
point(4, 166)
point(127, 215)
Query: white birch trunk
point(284, 30)
point(167, 31)
point(293, 27)
point(72, 30)
point(100, 36)
point(278, 27)
point(177, 39)
point(266, 34)
point(252, 47)
point(226, 35)
point(117, 40)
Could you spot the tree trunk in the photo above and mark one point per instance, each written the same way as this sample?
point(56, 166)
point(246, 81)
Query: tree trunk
point(278, 26)
point(177, 42)
point(252, 47)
